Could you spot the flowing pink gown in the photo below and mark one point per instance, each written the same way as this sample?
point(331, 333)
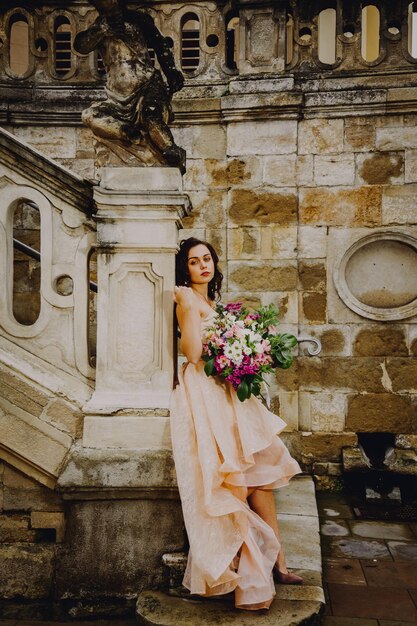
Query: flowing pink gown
point(221, 447)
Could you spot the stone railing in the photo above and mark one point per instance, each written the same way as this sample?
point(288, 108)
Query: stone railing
point(45, 366)
point(212, 43)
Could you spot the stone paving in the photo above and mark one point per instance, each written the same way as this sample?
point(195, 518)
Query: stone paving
point(369, 568)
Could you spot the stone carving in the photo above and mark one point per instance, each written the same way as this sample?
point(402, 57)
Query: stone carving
point(137, 109)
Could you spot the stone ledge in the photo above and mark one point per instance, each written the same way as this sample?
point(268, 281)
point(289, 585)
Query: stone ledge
point(132, 473)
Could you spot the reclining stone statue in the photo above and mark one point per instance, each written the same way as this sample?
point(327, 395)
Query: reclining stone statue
point(137, 108)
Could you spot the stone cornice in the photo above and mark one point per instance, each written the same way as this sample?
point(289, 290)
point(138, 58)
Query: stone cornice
point(45, 172)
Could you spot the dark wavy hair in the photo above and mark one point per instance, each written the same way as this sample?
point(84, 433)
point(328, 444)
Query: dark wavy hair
point(182, 275)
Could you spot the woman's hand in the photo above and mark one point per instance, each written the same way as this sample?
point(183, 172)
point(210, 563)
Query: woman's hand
point(184, 296)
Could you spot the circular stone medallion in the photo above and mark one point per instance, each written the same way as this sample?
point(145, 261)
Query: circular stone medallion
point(377, 276)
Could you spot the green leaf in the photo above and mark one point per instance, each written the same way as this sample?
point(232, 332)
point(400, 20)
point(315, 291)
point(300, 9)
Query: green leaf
point(243, 391)
point(209, 367)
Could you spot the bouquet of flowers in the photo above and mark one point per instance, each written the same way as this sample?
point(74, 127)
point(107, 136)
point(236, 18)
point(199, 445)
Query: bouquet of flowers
point(242, 346)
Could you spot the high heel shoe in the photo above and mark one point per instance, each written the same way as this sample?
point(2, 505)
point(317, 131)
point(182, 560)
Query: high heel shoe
point(286, 578)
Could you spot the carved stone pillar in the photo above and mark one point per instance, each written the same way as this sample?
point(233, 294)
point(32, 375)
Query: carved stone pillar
point(139, 213)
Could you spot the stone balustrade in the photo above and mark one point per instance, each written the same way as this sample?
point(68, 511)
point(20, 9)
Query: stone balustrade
point(212, 43)
point(46, 373)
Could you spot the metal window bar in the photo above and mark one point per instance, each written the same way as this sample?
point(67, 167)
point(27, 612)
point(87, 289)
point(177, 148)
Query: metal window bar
point(62, 52)
point(34, 254)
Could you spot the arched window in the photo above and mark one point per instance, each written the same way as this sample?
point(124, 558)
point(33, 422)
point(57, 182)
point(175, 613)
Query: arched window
point(63, 56)
point(19, 44)
point(370, 33)
point(190, 42)
point(412, 29)
point(232, 42)
point(327, 36)
point(26, 262)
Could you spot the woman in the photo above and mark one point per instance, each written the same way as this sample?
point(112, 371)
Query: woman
point(227, 457)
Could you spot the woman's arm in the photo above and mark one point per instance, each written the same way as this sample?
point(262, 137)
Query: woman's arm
point(189, 320)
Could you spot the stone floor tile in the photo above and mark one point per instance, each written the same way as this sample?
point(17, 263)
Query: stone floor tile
point(348, 547)
point(372, 602)
point(413, 527)
point(334, 528)
point(402, 551)
point(335, 511)
point(332, 620)
point(298, 498)
point(300, 554)
point(390, 574)
point(382, 530)
point(343, 571)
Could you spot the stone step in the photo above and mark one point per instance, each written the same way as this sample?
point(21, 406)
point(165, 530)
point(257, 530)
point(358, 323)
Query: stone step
point(304, 604)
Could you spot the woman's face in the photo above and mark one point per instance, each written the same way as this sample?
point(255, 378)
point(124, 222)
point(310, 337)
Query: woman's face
point(200, 264)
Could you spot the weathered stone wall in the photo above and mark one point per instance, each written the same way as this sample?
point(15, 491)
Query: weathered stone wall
point(278, 198)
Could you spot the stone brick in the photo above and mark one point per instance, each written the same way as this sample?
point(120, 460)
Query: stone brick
point(320, 136)
point(244, 243)
point(341, 207)
point(24, 494)
point(262, 206)
point(18, 392)
point(51, 520)
point(398, 138)
point(334, 340)
point(312, 275)
point(326, 446)
point(280, 171)
point(206, 141)
point(406, 442)
point(236, 171)
point(262, 277)
point(84, 143)
point(327, 411)
point(270, 137)
point(279, 242)
point(402, 373)
point(399, 204)
point(380, 341)
point(27, 571)
point(342, 373)
point(411, 166)
point(305, 170)
point(380, 412)
point(64, 416)
point(288, 379)
point(312, 242)
point(209, 209)
point(61, 143)
point(359, 136)
point(15, 528)
point(334, 170)
point(82, 167)
point(314, 306)
point(217, 237)
point(380, 168)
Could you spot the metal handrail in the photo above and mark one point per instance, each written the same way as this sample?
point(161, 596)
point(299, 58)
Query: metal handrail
point(34, 254)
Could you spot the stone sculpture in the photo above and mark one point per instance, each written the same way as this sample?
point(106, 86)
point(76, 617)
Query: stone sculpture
point(137, 109)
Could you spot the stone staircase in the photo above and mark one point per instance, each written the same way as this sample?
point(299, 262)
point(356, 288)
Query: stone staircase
point(298, 517)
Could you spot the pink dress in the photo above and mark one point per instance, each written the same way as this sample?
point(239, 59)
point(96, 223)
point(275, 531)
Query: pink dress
point(221, 447)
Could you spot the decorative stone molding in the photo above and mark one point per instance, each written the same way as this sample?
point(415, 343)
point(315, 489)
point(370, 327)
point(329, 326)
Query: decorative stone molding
point(377, 276)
